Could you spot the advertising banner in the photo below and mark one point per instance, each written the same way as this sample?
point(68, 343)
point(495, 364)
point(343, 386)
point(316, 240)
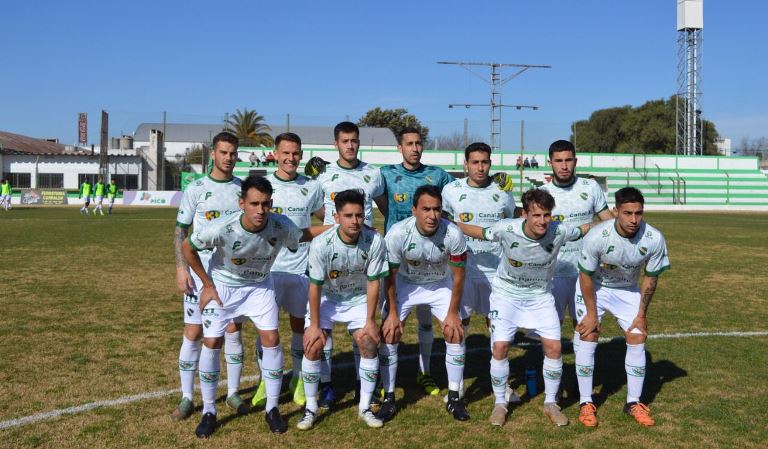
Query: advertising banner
point(152, 198)
point(43, 196)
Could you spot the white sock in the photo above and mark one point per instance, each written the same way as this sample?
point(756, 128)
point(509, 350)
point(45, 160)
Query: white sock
point(356, 354)
point(388, 366)
point(233, 355)
point(426, 338)
point(552, 371)
point(272, 374)
point(634, 365)
point(499, 377)
point(454, 364)
point(297, 353)
point(189, 355)
point(369, 373)
point(310, 373)
point(585, 369)
point(325, 359)
point(209, 378)
point(576, 341)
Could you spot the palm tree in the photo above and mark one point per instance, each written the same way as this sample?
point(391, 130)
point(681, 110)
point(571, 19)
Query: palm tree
point(249, 128)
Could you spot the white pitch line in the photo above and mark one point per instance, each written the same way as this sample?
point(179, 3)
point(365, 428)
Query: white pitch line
point(31, 419)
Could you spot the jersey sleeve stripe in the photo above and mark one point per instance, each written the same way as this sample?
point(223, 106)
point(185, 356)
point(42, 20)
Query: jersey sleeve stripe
point(585, 271)
point(658, 272)
point(189, 239)
point(457, 264)
point(182, 225)
point(315, 281)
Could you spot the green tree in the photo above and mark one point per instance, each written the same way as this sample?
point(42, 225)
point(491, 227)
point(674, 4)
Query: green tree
point(649, 128)
point(395, 120)
point(249, 128)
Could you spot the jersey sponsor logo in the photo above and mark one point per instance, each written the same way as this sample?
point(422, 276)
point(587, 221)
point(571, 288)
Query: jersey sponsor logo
point(212, 214)
point(643, 250)
point(367, 179)
point(207, 195)
point(239, 260)
point(335, 274)
point(558, 218)
point(462, 197)
point(334, 177)
point(515, 263)
point(411, 246)
point(514, 245)
point(333, 195)
point(415, 263)
point(236, 245)
point(466, 216)
point(398, 178)
point(608, 266)
point(610, 249)
point(400, 197)
point(334, 256)
point(584, 196)
point(277, 210)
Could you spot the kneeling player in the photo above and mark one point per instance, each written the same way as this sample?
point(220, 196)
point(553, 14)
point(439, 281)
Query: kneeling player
point(241, 288)
point(346, 264)
point(521, 295)
point(420, 249)
point(611, 260)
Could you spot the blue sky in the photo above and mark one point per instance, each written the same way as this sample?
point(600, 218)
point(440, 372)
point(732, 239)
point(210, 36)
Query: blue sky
point(325, 61)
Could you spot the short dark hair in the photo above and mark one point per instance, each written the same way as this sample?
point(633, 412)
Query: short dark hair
point(225, 136)
point(628, 195)
point(257, 182)
point(537, 196)
point(407, 130)
point(345, 127)
point(428, 190)
point(351, 196)
point(561, 145)
point(288, 137)
point(477, 146)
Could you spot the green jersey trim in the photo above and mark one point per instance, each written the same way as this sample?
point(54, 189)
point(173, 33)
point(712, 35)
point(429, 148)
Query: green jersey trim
point(315, 281)
point(219, 180)
point(189, 239)
point(381, 275)
point(252, 232)
point(182, 225)
point(585, 271)
point(656, 273)
point(605, 208)
point(285, 180)
point(350, 168)
point(457, 264)
point(350, 245)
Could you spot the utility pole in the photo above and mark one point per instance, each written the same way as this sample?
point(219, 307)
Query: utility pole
point(162, 159)
point(496, 81)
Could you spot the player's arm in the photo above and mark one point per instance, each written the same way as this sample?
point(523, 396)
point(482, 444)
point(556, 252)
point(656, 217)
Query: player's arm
point(589, 323)
point(313, 231)
point(452, 328)
point(381, 203)
point(647, 289)
point(471, 230)
point(605, 214)
point(392, 327)
point(370, 328)
point(184, 281)
point(208, 292)
point(313, 335)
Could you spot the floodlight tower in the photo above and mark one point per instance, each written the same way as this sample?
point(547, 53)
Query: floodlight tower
point(690, 23)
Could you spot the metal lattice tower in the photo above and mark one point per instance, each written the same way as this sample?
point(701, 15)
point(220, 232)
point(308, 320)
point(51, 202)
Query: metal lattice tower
point(496, 81)
point(689, 126)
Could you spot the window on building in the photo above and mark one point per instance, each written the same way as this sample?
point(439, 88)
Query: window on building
point(50, 180)
point(91, 177)
point(20, 180)
point(126, 182)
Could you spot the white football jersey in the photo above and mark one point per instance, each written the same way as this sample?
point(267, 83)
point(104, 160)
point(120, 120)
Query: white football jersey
point(528, 265)
point(207, 201)
point(337, 179)
point(479, 206)
point(296, 199)
point(243, 257)
point(615, 261)
point(345, 269)
point(423, 259)
point(575, 205)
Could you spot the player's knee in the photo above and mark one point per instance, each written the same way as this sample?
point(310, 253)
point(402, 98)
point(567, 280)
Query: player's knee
point(193, 332)
point(234, 327)
point(635, 339)
point(213, 342)
point(270, 338)
point(592, 337)
point(368, 347)
point(500, 350)
point(552, 348)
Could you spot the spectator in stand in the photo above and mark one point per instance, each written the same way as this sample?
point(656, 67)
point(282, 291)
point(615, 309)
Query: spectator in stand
point(534, 162)
point(526, 163)
point(254, 159)
point(519, 162)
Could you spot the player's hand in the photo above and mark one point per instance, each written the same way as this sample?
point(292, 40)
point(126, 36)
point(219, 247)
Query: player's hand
point(208, 294)
point(314, 167)
point(392, 328)
point(639, 323)
point(503, 180)
point(372, 331)
point(452, 328)
point(184, 282)
point(314, 339)
point(588, 325)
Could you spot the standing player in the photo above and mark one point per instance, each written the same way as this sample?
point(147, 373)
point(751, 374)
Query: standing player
point(477, 200)
point(577, 201)
point(401, 181)
point(111, 194)
point(99, 189)
point(85, 194)
point(5, 194)
point(349, 172)
point(205, 202)
point(613, 255)
point(521, 294)
point(346, 264)
point(420, 250)
point(240, 287)
point(296, 197)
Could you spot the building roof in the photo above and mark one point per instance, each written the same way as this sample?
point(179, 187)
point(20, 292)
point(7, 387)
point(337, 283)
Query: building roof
point(16, 143)
point(310, 135)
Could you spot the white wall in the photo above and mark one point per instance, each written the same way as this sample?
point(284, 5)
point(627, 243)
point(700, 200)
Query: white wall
point(70, 166)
